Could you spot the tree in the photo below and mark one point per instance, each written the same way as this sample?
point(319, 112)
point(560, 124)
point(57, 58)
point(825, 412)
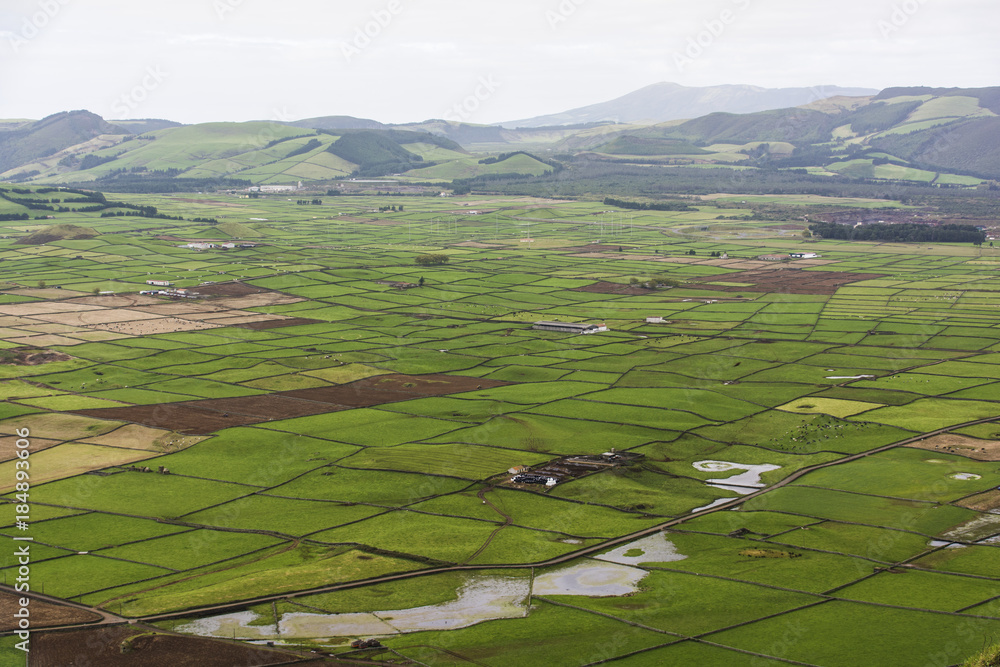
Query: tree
point(421, 281)
point(429, 260)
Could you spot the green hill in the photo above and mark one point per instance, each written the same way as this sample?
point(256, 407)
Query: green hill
point(632, 145)
point(57, 233)
point(50, 135)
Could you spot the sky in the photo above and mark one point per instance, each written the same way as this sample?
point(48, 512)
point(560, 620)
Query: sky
point(479, 61)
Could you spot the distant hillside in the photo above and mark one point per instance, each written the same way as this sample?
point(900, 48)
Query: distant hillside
point(662, 102)
point(989, 98)
point(338, 123)
point(791, 125)
point(970, 147)
point(51, 135)
point(143, 125)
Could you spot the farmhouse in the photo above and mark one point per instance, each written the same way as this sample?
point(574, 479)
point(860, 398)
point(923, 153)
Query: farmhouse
point(570, 327)
point(159, 283)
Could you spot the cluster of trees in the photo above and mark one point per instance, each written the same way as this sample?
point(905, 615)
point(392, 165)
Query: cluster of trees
point(430, 260)
point(312, 145)
point(308, 202)
point(654, 282)
point(10, 217)
point(903, 233)
point(647, 206)
point(386, 209)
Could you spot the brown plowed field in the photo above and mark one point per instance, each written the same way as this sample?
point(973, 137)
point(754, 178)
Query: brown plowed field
point(787, 281)
point(278, 324)
point(103, 646)
point(210, 415)
point(43, 614)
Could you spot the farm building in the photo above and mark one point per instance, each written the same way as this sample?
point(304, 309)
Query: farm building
point(654, 320)
point(570, 327)
point(803, 255)
point(518, 470)
point(159, 283)
point(773, 258)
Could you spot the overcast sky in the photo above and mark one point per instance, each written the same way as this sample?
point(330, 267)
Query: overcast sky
point(212, 60)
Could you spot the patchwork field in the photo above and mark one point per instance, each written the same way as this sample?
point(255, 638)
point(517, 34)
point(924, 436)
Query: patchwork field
point(761, 464)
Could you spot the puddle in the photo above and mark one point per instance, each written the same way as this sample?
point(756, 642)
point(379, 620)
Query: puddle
point(982, 526)
point(744, 483)
point(966, 477)
point(484, 599)
point(947, 545)
point(714, 503)
point(479, 600)
point(591, 580)
point(655, 549)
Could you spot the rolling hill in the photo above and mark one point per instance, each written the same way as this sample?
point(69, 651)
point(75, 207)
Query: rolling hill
point(924, 135)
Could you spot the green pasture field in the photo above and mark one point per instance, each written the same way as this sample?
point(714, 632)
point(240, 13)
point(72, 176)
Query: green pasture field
point(768, 378)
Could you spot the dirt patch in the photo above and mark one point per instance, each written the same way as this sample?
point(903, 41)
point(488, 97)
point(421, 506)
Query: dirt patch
point(8, 446)
point(30, 356)
point(604, 287)
point(162, 325)
point(970, 448)
point(43, 614)
point(210, 415)
point(278, 324)
point(116, 300)
point(786, 281)
point(125, 646)
point(984, 502)
point(229, 289)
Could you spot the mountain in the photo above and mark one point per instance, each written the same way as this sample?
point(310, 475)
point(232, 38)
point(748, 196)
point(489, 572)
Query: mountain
point(663, 102)
point(51, 135)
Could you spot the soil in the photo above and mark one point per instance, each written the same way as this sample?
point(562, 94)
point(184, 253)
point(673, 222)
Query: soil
point(43, 614)
point(970, 448)
point(30, 356)
point(210, 415)
point(103, 646)
point(984, 502)
point(278, 324)
point(787, 281)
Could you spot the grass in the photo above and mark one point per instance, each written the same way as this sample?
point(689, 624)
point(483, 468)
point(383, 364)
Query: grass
point(743, 381)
